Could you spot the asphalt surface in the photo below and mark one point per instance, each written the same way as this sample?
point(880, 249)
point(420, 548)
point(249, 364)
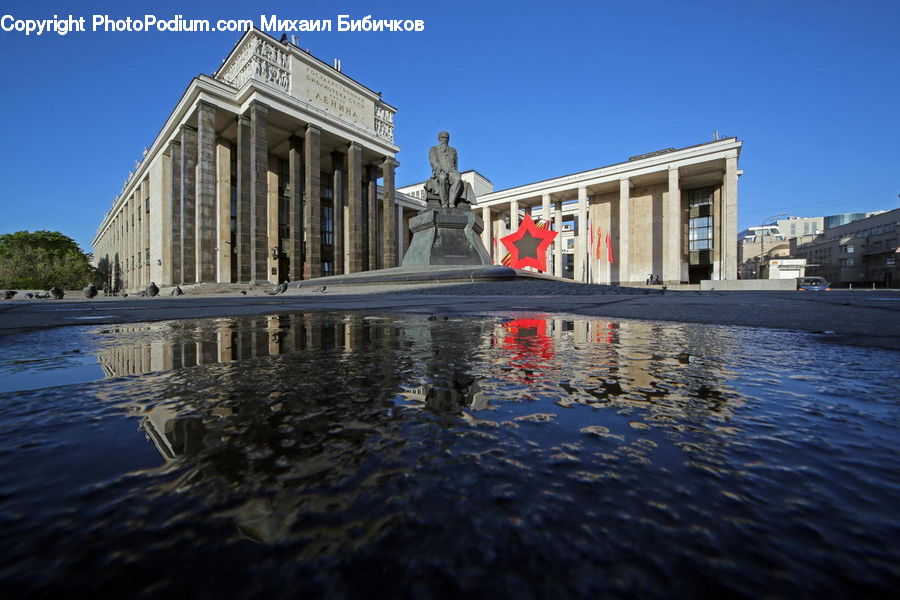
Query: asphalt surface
point(867, 318)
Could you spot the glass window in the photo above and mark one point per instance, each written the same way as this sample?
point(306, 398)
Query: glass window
point(700, 233)
point(700, 197)
point(327, 225)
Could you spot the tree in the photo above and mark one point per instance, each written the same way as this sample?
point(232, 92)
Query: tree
point(41, 260)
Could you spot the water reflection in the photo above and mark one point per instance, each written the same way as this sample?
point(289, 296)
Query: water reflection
point(349, 455)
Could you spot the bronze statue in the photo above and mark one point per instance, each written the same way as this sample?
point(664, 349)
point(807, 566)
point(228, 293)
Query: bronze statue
point(445, 180)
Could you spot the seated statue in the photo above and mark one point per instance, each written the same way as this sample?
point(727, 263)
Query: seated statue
point(445, 181)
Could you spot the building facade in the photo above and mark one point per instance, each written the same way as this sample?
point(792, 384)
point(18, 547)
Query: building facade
point(671, 214)
point(863, 252)
point(267, 171)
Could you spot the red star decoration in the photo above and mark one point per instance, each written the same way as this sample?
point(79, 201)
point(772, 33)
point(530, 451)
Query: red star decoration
point(528, 245)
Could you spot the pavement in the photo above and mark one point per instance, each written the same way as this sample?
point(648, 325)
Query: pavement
point(866, 318)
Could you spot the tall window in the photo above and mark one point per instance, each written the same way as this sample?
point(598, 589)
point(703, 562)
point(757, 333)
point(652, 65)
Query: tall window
point(700, 224)
point(701, 233)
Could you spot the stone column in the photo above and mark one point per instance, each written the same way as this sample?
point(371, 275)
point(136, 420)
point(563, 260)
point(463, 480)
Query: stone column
point(582, 239)
point(558, 241)
point(389, 230)
point(188, 204)
point(272, 233)
point(223, 211)
point(132, 227)
point(295, 249)
point(729, 219)
point(372, 195)
point(354, 205)
point(312, 214)
point(259, 180)
point(545, 213)
point(401, 235)
point(513, 215)
point(243, 250)
point(145, 232)
point(488, 230)
point(671, 243)
point(137, 226)
point(624, 249)
point(175, 212)
point(337, 185)
point(206, 192)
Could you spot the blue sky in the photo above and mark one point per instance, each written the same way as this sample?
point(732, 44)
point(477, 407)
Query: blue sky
point(528, 90)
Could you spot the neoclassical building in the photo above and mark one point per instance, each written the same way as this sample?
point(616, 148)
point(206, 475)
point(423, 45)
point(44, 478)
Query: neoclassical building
point(266, 171)
point(671, 214)
point(269, 170)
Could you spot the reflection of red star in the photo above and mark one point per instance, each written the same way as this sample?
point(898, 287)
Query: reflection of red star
point(528, 245)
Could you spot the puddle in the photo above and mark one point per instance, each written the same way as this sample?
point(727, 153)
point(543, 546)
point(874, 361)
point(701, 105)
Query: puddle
point(349, 456)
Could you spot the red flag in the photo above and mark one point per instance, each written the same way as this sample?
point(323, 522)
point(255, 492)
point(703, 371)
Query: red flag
point(598, 252)
point(609, 249)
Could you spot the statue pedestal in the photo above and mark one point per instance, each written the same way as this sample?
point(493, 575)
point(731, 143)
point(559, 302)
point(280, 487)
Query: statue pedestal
point(446, 236)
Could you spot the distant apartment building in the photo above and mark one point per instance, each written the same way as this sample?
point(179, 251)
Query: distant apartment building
point(757, 246)
point(860, 252)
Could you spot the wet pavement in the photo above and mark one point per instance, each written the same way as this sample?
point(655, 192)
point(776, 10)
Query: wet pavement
point(518, 454)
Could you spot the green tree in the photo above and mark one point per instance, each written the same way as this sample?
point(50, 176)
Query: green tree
point(43, 259)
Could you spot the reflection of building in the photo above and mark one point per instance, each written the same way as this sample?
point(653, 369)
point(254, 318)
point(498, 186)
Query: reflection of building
point(862, 252)
point(182, 344)
point(265, 171)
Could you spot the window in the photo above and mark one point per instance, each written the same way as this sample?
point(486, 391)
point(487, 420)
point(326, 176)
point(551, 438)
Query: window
point(327, 225)
point(848, 262)
point(284, 201)
point(700, 197)
point(848, 249)
point(700, 233)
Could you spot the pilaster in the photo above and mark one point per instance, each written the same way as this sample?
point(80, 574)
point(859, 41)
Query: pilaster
point(175, 212)
point(354, 202)
point(206, 193)
point(259, 183)
point(295, 249)
point(672, 231)
point(582, 240)
point(372, 220)
point(223, 212)
point(488, 230)
point(389, 230)
point(337, 185)
point(313, 203)
point(188, 204)
point(545, 214)
point(243, 250)
point(624, 249)
point(558, 241)
point(729, 219)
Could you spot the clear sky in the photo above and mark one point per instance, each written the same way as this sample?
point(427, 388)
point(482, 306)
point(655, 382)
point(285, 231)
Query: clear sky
point(529, 90)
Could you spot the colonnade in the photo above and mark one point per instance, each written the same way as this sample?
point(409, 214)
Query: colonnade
point(646, 218)
point(227, 212)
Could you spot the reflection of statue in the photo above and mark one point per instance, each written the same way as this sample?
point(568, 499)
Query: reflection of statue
point(445, 180)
